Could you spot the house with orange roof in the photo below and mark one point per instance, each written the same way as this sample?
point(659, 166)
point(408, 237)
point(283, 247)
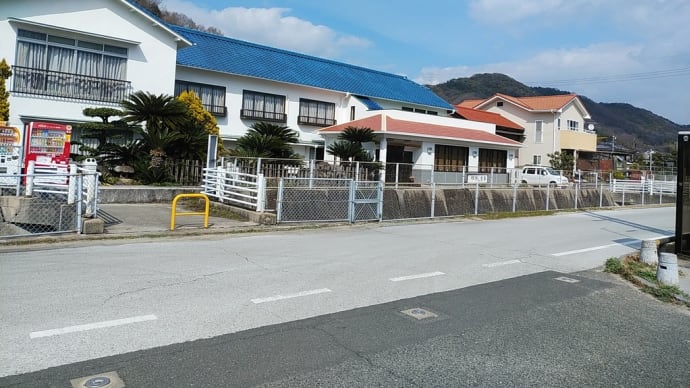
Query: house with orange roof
point(551, 124)
point(504, 127)
point(432, 148)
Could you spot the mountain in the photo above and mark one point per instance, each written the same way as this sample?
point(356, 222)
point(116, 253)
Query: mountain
point(635, 128)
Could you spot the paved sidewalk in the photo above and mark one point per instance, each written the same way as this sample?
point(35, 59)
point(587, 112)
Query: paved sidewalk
point(132, 219)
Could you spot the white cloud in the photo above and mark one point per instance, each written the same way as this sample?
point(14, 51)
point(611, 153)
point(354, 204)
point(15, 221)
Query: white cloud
point(272, 27)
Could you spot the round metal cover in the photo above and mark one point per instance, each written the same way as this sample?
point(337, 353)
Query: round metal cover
point(97, 382)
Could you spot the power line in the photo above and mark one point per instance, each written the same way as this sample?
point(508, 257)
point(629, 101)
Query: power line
point(679, 72)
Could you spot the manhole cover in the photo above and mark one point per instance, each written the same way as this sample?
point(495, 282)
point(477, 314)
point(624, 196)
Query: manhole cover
point(101, 380)
point(419, 313)
point(567, 279)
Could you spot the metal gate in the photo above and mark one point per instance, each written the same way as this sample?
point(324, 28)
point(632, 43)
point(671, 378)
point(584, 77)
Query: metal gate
point(328, 200)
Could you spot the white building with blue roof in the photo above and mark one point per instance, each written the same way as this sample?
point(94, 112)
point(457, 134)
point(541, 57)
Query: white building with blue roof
point(68, 55)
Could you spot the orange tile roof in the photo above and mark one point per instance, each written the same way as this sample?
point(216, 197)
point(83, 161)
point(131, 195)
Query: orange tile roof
point(540, 102)
point(486, 117)
point(470, 103)
point(414, 128)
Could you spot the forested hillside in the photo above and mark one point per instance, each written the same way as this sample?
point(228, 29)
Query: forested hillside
point(635, 128)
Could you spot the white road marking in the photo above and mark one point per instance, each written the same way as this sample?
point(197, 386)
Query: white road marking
point(289, 296)
point(500, 263)
point(417, 276)
point(631, 243)
point(91, 326)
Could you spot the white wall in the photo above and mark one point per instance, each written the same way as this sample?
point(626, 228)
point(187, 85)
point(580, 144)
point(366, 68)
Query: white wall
point(151, 63)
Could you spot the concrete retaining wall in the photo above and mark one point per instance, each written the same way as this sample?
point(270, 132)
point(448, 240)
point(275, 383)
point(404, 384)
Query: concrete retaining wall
point(141, 194)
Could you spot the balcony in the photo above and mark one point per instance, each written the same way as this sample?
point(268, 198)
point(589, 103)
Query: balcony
point(68, 85)
point(263, 115)
point(315, 121)
point(580, 141)
point(216, 110)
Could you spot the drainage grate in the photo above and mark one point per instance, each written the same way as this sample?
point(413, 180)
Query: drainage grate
point(419, 313)
point(567, 279)
point(101, 380)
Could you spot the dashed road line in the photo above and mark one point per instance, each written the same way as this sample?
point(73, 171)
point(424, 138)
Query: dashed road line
point(91, 326)
point(417, 276)
point(290, 296)
point(501, 263)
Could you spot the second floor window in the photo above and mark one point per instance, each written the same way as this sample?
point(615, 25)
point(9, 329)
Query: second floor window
point(573, 125)
point(212, 97)
point(67, 67)
point(317, 113)
point(263, 106)
point(539, 131)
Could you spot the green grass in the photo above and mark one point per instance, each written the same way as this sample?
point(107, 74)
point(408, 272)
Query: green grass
point(631, 269)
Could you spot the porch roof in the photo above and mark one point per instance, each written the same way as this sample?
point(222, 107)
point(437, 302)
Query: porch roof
point(487, 117)
point(382, 123)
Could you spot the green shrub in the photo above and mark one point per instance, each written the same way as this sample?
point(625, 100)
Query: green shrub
point(613, 265)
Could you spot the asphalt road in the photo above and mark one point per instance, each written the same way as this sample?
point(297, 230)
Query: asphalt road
point(63, 307)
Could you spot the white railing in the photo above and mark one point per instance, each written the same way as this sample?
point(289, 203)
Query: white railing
point(230, 185)
point(643, 186)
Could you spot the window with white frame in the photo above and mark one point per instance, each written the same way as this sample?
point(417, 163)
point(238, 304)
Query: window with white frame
point(318, 113)
point(573, 125)
point(67, 67)
point(211, 96)
point(559, 124)
point(536, 159)
point(539, 131)
point(263, 106)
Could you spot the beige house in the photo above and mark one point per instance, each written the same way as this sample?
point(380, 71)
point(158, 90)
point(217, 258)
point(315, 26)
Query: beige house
point(551, 123)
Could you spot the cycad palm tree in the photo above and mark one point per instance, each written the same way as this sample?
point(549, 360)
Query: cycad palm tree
point(161, 114)
point(267, 140)
point(349, 145)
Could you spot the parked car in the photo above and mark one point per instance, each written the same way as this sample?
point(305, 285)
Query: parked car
point(542, 176)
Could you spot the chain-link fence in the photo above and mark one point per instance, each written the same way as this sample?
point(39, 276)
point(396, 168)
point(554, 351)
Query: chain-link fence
point(328, 200)
point(47, 201)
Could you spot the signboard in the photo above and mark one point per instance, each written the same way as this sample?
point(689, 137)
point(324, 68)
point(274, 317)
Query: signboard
point(478, 179)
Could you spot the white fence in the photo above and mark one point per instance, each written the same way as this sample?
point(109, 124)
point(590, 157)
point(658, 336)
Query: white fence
point(229, 185)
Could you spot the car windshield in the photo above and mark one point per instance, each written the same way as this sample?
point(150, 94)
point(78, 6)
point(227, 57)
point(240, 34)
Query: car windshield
point(552, 171)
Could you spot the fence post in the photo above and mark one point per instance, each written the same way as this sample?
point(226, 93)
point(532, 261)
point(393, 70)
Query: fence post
point(30, 172)
point(476, 200)
point(548, 196)
point(601, 196)
point(491, 180)
point(397, 174)
point(660, 194)
point(312, 165)
point(351, 203)
point(90, 166)
point(433, 199)
point(623, 202)
point(258, 166)
point(279, 205)
point(463, 177)
point(577, 191)
point(80, 200)
point(72, 184)
point(642, 192)
point(357, 171)
point(379, 205)
point(514, 196)
point(260, 193)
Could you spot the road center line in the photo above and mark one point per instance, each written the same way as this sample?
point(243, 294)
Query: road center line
point(91, 326)
point(417, 276)
point(631, 243)
point(500, 263)
point(289, 296)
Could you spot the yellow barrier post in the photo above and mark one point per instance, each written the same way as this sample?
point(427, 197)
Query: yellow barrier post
point(174, 212)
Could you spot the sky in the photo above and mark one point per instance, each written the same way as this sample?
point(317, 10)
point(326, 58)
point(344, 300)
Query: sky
point(629, 51)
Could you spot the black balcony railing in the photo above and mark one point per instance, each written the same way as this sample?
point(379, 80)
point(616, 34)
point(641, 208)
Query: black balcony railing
point(68, 85)
point(263, 115)
point(316, 121)
point(216, 110)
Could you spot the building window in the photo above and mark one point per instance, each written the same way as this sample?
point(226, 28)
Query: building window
point(212, 97)
point(316, 113)
point(536, 159)
point(352, 113)
point(499, 103)
point(573, 125)
point(493, 159)
point(539, 131)
point(407, 109)
point(54, 65)
point(431, 112)
point(450, 158)
point(263, 106)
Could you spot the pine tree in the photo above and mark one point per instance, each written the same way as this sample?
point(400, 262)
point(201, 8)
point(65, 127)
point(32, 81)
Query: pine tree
point(5, 73)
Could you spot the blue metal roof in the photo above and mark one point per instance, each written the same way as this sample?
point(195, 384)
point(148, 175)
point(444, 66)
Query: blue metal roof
point(369, 103)
point(232, 56)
